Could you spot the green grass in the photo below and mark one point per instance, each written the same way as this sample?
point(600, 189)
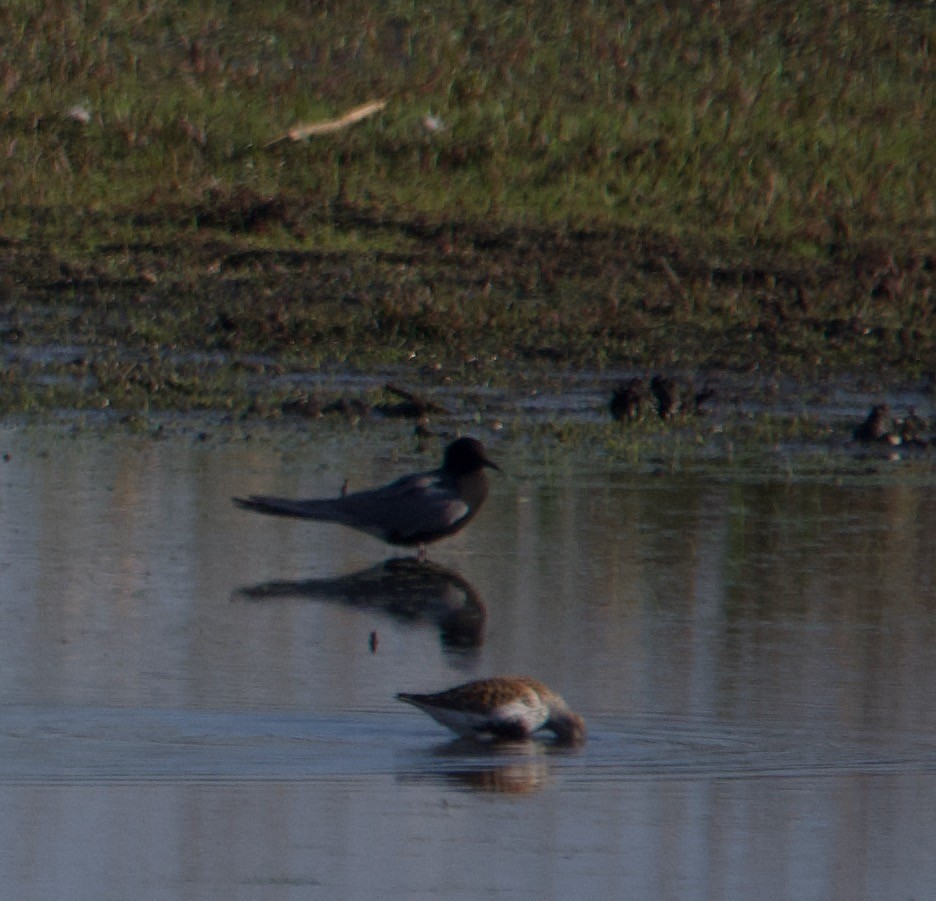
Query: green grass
point(736, 185)
point(755, 120)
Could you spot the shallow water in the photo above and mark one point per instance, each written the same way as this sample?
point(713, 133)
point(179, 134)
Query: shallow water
point(191, 707)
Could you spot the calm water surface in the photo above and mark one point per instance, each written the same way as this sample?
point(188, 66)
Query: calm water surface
point(190, 707)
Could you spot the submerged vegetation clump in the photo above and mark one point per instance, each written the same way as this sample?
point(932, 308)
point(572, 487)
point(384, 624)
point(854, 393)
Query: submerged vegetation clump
point(738, 187)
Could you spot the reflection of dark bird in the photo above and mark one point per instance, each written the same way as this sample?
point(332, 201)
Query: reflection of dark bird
point(626, 400)
point(512, 707)
point(666, 392)
point(405, 589)
point(412, 511)
point(876, 427)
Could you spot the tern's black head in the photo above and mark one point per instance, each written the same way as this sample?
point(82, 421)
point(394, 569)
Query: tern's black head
point(465, 456)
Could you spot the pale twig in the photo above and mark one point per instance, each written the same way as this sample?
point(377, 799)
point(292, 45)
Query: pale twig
point(329, 126)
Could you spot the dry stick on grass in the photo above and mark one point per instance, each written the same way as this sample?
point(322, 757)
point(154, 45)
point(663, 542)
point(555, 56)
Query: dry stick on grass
point(329, 126)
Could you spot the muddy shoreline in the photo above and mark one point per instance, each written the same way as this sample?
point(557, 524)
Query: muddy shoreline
point(492, 319)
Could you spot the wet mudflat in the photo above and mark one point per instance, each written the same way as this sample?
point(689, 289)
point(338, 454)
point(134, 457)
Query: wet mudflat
point(190, 704)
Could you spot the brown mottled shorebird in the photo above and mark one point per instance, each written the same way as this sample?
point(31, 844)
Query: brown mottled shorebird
point(512, 707)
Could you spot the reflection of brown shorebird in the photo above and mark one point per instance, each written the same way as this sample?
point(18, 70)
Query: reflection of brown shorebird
point(513, 779)
point(412, 511)
point(504, 707)
point(520, 778)
point(405, 589)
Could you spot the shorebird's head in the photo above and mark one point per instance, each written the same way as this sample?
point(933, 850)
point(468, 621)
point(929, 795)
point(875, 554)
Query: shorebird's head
point(569, 727)
point(465, 456)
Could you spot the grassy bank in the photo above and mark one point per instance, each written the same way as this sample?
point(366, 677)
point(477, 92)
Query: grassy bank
point(693, 185)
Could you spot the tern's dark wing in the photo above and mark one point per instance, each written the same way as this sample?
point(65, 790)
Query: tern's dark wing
point(409, 511)
point(412, 510)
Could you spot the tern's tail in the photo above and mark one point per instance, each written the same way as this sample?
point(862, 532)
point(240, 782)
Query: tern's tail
point(283, 506)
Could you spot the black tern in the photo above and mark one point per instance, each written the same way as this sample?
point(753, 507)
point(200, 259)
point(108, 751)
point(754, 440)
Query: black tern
point(411, 512)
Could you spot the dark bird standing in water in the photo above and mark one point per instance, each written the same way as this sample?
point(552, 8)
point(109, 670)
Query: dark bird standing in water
point(411, 512)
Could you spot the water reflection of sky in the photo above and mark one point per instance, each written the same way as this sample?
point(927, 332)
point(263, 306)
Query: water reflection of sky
point(756, 659)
